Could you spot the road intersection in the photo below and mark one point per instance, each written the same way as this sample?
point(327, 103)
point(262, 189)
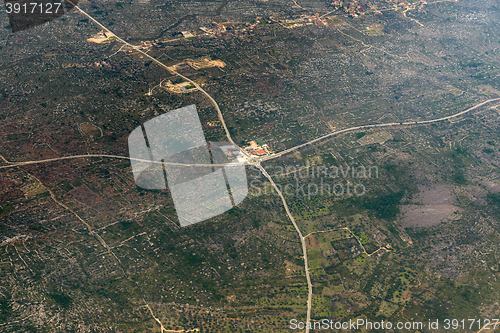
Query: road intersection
point(250, 160)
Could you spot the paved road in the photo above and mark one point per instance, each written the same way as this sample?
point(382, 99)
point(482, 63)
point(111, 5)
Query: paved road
point(13, 165)
point(355, 128)
point(228, 135)
point(302, 241)
point(214, 103)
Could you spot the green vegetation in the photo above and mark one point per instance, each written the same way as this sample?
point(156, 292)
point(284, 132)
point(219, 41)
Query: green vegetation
point(66, 186)
point(488, 150)
point(459, 178)
point(62, 299)
point(36, 227)
point(493, 200)
point(17, 136)
point(44, 194)
point(77, 182)
point(279, 85)
point(362, 258)
point(6, 208)
point(5, 310)
point(385, 207)
point(359, 135)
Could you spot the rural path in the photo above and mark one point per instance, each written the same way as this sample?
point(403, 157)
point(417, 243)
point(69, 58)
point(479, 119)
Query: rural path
point(256, 161)
point(302, 241)
point(355, 128)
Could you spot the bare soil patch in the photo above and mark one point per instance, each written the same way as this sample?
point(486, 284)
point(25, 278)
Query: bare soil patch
point(91, 130)
point(85, 195)
point(312, 242)
point(433, 205)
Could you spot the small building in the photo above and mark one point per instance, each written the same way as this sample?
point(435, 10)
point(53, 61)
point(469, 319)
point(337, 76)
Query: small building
point(187, 34)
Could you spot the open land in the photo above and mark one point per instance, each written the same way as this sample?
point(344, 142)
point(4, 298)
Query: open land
point(84, 249)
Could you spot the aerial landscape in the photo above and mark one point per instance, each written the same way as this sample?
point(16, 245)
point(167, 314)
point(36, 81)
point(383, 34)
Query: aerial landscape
point(250, 166)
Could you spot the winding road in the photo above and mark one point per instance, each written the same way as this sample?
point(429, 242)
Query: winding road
point(214, 103)
point(252, 160)
point(355, 128)
point(18, 164)
point(302, 241)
